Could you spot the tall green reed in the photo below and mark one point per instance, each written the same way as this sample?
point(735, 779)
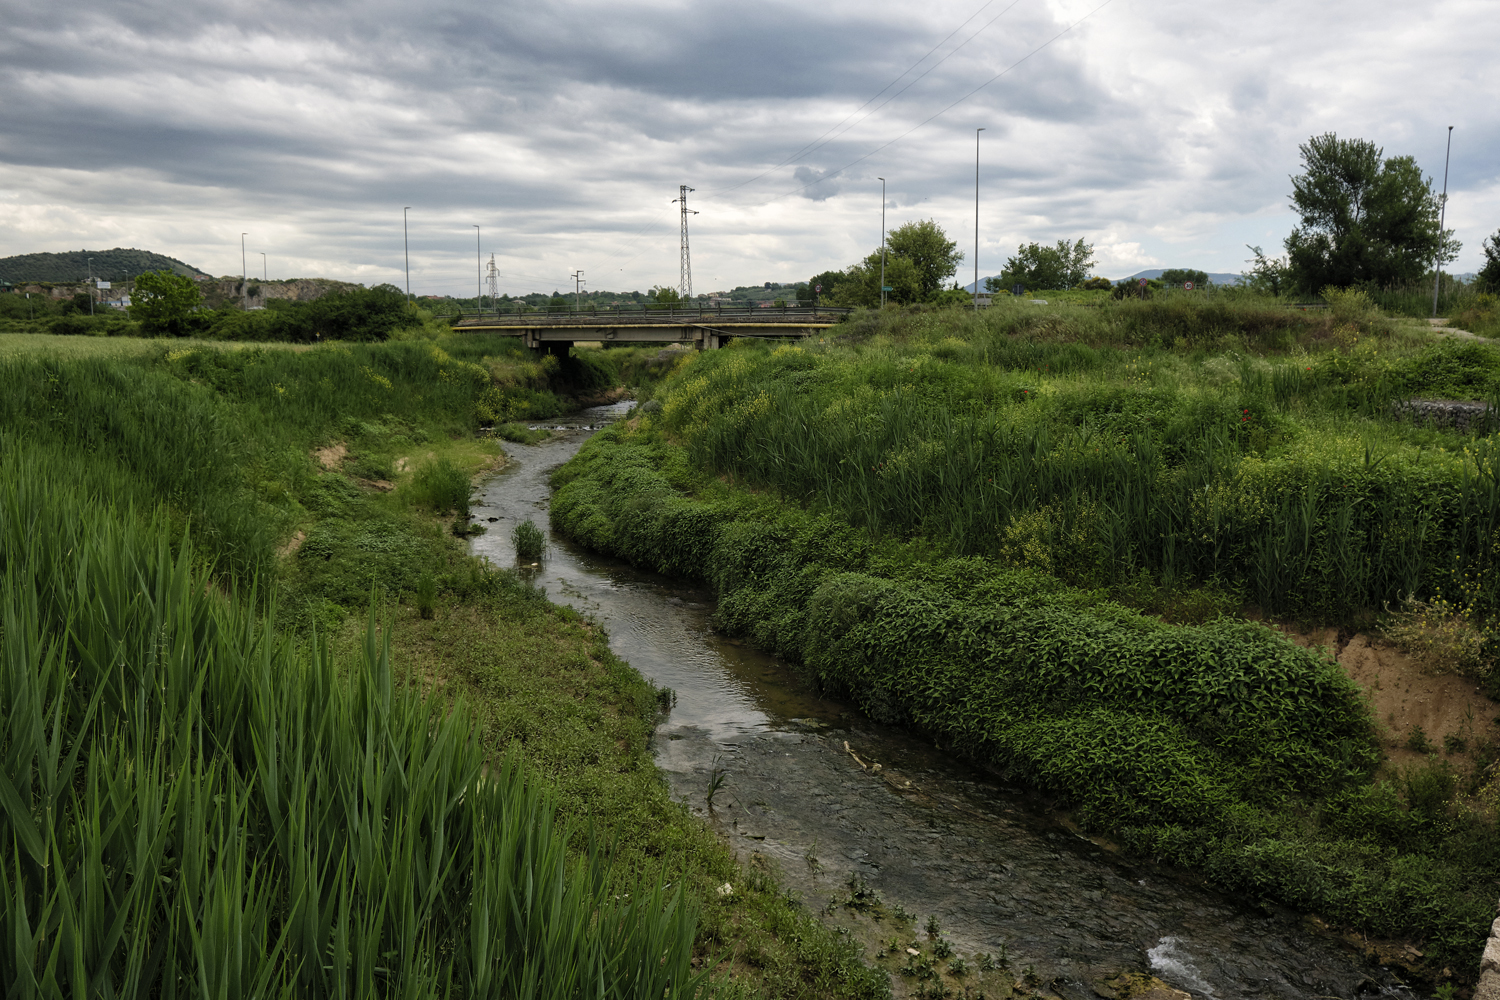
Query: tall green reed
point(191, 804)
point(1066, 490)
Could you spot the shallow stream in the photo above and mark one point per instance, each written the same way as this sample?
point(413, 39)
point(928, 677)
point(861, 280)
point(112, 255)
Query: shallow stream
point(1001, 873)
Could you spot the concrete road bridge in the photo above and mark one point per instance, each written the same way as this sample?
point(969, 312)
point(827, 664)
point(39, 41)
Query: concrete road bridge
point(704, 327)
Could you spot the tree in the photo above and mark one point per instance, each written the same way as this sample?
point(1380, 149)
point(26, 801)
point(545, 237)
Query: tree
point(1040, 268)
point(1182, 275)
point(930, 251)
point(162, 302)
point(1365, 219)
point(1269, 275)
point(828, 279)
point(859, 285)
point(1490, 273)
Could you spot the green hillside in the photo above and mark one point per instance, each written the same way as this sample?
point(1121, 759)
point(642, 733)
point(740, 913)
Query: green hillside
point(73, 265)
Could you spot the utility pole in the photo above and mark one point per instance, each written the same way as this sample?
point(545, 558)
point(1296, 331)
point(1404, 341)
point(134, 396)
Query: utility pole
point(1437, 270)
point(882, 242)
point(244, 276)
point(685, 277)
point(478, 273)
point(577, 277)
point(976, 218)
point(406, 245)
point(91, 286)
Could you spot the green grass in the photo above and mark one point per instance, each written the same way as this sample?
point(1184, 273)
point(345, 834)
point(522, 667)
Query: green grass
point(938, 516)
point(1290, 479)
point(191, 803)
point(26, 345)
point(203, 456)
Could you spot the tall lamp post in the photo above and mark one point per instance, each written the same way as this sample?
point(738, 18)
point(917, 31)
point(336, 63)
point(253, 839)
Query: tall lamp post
point(91, 282)
point(478, 273)
point(1437, 270)
point(244, 276)
point(265, 272)
point(882, 242)
point(406, 245)
point(976, 218)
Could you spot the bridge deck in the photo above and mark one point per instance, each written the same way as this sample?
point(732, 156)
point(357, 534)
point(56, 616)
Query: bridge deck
point(704, 326)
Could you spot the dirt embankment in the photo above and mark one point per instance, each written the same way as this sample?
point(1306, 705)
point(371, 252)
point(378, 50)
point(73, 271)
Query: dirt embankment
point(1412, 704)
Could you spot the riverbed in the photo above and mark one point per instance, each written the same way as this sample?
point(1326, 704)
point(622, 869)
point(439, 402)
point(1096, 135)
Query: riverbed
point(795, 784)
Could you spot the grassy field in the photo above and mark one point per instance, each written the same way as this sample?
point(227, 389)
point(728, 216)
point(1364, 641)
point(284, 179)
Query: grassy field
point(1034, 534)
point(17, 345)
point(194, 539)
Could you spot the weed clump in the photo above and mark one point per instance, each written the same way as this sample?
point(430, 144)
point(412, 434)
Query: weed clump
point(442, 487)
point(529, 541)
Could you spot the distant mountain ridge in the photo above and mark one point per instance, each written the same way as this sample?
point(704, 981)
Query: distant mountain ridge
point(1218, 278)
point(73, 265)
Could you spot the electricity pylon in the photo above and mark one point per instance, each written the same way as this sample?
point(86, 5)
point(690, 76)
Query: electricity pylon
point(685, 279)
point(494, 282)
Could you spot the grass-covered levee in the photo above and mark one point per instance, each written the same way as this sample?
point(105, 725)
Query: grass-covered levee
point(368, 766)
point(1040, 536)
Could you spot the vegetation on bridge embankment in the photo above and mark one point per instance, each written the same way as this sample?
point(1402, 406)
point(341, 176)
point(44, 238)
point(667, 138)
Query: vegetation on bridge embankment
point(168, 673)
point(939, 519)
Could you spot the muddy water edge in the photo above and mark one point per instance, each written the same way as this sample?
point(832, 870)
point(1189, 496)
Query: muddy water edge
point(1016, 893)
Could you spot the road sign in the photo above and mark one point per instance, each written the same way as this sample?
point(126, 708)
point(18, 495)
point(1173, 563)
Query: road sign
point(1188, 285)
point(887, 288)
point(817, 288)
point(1142, 282)
point(1018, 289)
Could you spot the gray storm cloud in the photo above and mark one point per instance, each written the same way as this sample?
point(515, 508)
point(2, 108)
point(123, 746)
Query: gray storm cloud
point(1164, 134)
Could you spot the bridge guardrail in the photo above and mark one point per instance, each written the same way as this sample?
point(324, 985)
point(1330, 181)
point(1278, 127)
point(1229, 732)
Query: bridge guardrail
point(627, 315)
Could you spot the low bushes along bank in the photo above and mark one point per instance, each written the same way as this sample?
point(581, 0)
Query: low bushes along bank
point(1222, 747)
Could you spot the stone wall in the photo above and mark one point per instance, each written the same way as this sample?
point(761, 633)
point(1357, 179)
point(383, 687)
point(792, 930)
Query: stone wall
point(1489, 967)
point(1446, 413)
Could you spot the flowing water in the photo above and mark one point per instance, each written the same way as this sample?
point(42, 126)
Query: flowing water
point(1001, 872)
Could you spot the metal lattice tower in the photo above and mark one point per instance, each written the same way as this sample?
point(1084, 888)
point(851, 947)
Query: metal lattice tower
point(685, 279)
point(493, 280)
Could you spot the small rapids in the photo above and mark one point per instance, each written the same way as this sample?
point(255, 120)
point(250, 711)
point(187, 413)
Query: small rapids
point(1001, 872)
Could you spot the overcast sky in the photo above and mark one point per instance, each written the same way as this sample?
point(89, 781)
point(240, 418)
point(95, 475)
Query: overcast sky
point(1162, 132)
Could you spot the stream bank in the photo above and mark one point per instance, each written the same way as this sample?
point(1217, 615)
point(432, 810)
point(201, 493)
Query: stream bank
point(1002, 874)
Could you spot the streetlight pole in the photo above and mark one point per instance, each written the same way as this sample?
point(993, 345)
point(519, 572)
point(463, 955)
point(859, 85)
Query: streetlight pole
point(406, 244)
point(976, 218)
point(1437, 270)
point(265, 272)
point(478, 273)
point(244, 276)
point(882, 242)
point(91, 282)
